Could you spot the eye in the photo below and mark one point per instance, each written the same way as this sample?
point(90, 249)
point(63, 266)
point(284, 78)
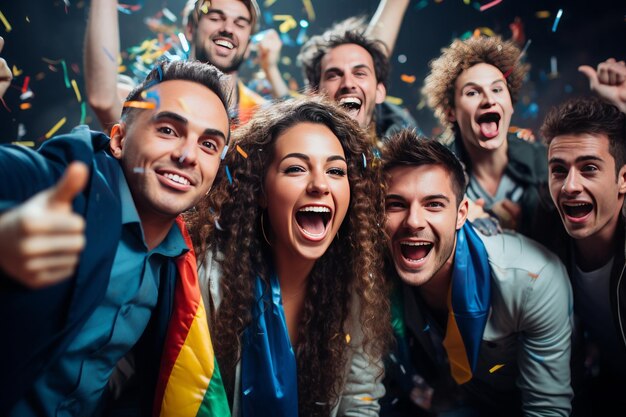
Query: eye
point(590, 168)
point(242, 24)
point(332, 76)
point(394, 205)
point(360, 74)
point(166, 130)
point(471, 93)
point(209, 145)
point(435, 204)
point(294, 169)
point(497, 89)
point(558, 170)
point(339, 172)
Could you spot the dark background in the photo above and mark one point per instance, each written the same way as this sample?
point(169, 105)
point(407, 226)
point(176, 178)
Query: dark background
point(46, 32)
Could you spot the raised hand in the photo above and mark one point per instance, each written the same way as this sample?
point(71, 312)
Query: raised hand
point(41, 239)
point(5, 72)
point(608, 81)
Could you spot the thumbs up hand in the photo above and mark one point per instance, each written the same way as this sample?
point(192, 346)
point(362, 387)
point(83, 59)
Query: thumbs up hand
point(41, 239)
point(5, 72)
point(608, 81)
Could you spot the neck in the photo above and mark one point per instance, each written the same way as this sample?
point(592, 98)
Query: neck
point(595, 251)
point(488, 166)
point(155, 228)
point(293, 276)
point(435, 291)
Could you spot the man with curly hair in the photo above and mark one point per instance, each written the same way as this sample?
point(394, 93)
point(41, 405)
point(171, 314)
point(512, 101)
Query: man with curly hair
point(482, 323)
point(472, 87)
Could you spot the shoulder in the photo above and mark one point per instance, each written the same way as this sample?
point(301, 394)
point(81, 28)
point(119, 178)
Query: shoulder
point(514, 250)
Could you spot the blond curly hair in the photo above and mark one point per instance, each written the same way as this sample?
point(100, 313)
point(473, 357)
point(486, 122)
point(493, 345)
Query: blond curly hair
point(438, 87)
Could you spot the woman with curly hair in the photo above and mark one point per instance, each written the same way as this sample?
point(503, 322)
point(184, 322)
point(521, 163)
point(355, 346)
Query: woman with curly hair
point(292, 265)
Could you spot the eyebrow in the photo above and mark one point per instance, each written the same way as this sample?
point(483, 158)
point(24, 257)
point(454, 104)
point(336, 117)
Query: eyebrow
point(427, 198)
point(306, 157)
point(472, 83)
point(223, 15)
point(358, 66)
point(168, 115)
point(582, 158)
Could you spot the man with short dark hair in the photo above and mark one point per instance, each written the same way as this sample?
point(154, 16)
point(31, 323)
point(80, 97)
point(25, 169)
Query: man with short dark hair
point(94, 261)
point(482, 324)
point(587, 164)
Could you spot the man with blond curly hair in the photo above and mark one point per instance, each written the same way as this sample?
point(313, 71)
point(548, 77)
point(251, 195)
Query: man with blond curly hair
point(472, 88)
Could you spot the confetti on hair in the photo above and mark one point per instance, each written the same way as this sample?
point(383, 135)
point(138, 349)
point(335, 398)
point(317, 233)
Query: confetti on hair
point(56, 127)
point(242, 152)
point(140, 104)
point(83, 113)
point(489, 5)
point(557, 19)
point(230, 178)
point(224, 152)
point(76, 91)
point(495, 368)
point(153, 96)
point(409, 79)
point(348, 338)
point(5, 22)
point(217, 225)
point(364, 160)
point(205, 7)
point(308, 6)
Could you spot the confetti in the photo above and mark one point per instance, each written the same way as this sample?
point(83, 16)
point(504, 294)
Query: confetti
point(25, 106)
point(242, 152)
point(217, 226)
point(76, 91)
point(533, 276)
point(183, 156)
point(6, 23)
point(348, 338)
point(230, 178)
point(138, 170)
point(28, 143)
point(495, 368)
point(542, 14)
point(55, 128)
point(308, 6)
point(489, 5)
point(83, 113)
point(16, 71)
point(288, 22)
point(409, 79)
point(394, 100)
point(364, 160)
point(557, 19)
point(365, 398)
point(269, 3)
point(65, 77)
point(25, 85)
point(183, 105)
point(224, 152)
point(140, 104)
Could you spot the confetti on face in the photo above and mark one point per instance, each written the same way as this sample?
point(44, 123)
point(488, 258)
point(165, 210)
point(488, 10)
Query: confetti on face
point(138, 170)
point(224, 152)
point(183, 156)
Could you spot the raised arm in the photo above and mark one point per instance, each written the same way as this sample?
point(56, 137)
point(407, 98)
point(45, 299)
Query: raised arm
point(269, 54)
point(5, 72)
point(386, 22)
point(608, 81)
point(102, 46)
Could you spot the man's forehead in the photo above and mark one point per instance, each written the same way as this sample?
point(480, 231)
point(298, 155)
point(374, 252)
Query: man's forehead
point(578, 144)
point(351, 53)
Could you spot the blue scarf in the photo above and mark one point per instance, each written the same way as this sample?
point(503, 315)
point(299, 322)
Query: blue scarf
point(269, 379)
point(468, 304)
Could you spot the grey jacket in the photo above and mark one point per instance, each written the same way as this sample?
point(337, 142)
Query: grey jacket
point(362, 386)
point(523, 364)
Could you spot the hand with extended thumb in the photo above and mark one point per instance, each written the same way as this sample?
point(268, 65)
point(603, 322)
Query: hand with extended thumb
point(41, 239)
point(608, 81)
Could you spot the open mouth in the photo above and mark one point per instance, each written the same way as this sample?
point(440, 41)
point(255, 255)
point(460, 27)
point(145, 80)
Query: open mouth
point(225, 43)
point(313, 220)
point(415, 251)
point(489, 124)
point(577, 210)
point(351, 104)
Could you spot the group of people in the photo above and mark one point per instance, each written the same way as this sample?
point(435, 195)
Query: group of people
point(214, 253)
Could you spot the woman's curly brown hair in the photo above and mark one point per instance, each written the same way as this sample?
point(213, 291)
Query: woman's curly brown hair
point(350, 271)
point(461, 55)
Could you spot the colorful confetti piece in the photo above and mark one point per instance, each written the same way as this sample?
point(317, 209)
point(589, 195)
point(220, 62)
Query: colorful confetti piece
point(140, 104)
point(489, 5)
point(5, 22)
point(557, 19)
point(242, 152)
point(56, 127)
point(495, 368)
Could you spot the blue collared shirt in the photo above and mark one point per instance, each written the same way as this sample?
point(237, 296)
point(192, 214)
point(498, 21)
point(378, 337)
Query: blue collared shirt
point(75, 383)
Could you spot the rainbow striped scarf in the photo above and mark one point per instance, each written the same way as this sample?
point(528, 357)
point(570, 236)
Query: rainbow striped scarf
point(189, 381)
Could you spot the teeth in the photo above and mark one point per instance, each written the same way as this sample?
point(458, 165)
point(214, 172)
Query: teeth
point(576, 204)
point(316, 209)
point(177, 178)
point(415, 243)
point(224, 43)
point(350, 100)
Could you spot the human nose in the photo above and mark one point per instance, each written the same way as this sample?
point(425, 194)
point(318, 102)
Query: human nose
point(415, 218)
point(318, 184)
point(488, 99)
point(186, 153)
point(572, 184)
point(347, 82)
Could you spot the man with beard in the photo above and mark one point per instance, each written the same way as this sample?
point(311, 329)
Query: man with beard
point(472, 88)
point(483, 324)
point(351, 67)
point(219, 33)
point(587, 180)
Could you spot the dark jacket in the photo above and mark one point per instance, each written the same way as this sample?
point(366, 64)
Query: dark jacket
point(38, 325)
